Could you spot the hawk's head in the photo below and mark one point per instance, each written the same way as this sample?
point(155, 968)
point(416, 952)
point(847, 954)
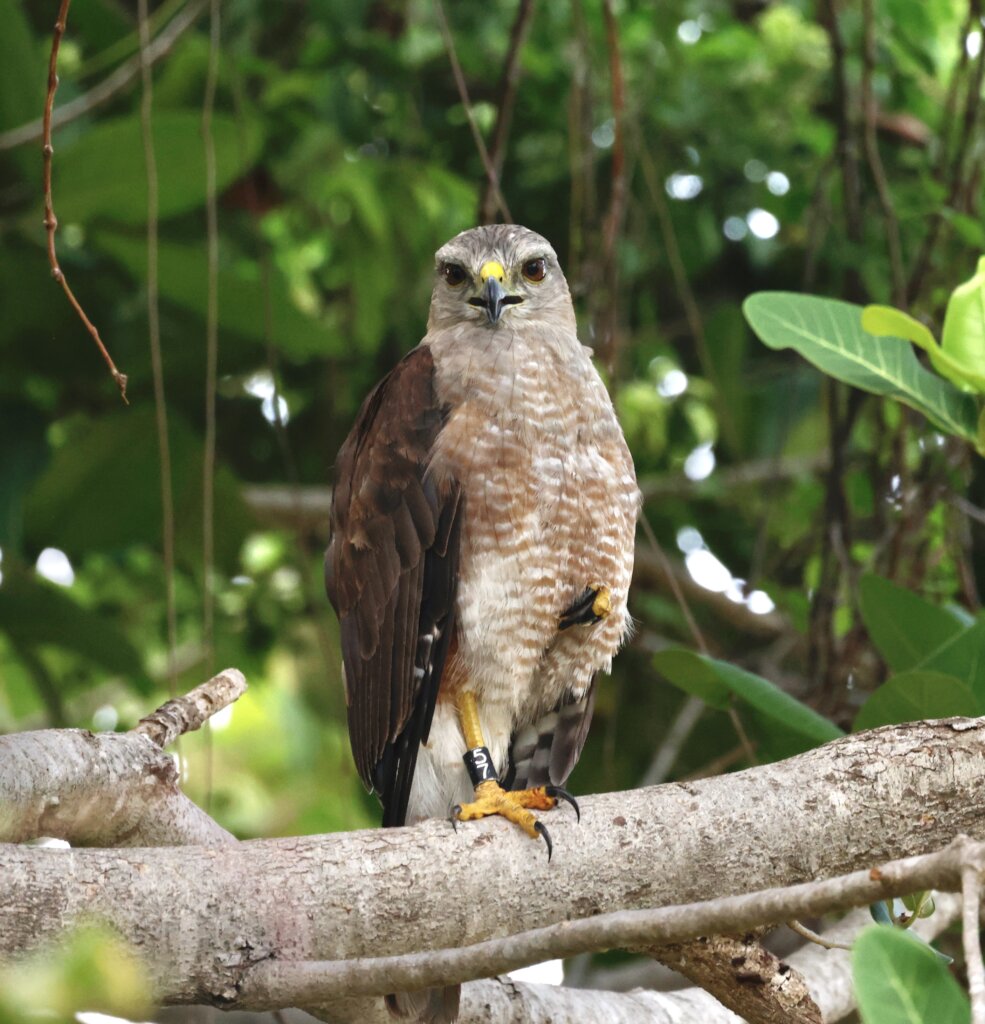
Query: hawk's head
point(495, 273)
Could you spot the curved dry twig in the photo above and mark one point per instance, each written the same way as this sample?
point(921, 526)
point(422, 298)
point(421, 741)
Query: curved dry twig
point(50, 220)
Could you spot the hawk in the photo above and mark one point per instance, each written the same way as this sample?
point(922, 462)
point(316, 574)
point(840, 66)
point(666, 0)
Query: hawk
point(483, 522)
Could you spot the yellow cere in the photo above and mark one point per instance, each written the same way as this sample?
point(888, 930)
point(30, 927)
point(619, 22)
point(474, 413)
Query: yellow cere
point(492, 268)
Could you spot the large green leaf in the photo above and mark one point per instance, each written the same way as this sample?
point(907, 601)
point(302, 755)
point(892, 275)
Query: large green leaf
point(963, 656)
point(101, 491)
point(183, 278)
point(828, 333)
point(903, 626)
point(899, 980)
point(104, 175)
point(22, 77)
point(717, 682)
point(34, 612)
point(911, 696)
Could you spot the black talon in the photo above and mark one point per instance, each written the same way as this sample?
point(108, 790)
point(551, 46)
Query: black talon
point(542, 830)
point(562, 794)
point(580, 612)
point(453, 817)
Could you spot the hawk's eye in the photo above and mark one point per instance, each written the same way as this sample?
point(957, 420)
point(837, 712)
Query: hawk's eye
point(452, 273)
point(534, 270)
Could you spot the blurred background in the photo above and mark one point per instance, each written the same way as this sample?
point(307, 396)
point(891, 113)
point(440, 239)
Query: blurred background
point(679, 156)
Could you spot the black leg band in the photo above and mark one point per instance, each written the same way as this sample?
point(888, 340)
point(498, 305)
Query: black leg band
point(480, 765)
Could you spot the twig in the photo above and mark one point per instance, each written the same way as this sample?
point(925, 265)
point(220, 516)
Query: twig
point(812, 936)
point(154, 333)
point(692, 625)
point(211, 338)
point(186, 714)
point(677, 735)
point(281, 983)
point(617, 198)
point(50, 220)
point(463, 94)
point(875, 159)
point(113, 84)
point(971, 901)
point(507, 99)
point(685, 293)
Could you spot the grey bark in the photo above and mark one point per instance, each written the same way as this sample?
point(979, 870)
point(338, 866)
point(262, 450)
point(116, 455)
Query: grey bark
point(205, 916)
point(96, 789)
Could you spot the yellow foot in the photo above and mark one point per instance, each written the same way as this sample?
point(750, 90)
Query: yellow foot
point(592, 605)
point(517, 806)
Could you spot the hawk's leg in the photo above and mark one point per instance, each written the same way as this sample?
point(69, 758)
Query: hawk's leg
point(517, 805)
point(592, 605)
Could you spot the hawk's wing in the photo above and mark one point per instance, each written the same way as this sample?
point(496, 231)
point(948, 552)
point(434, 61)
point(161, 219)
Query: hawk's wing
point(391, 571)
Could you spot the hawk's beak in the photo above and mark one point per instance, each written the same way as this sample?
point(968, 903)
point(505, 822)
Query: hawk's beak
point(493, 296)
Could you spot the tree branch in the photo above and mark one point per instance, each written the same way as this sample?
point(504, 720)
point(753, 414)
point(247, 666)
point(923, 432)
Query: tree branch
point(188, 713)
point(620, 877)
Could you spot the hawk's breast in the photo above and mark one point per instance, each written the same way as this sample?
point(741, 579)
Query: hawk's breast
point(550, 508)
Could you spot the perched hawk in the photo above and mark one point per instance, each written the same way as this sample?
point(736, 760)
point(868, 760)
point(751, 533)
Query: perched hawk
point(482, 545)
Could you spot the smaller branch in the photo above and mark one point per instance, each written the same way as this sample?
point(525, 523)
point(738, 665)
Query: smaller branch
point(971, 902)
point(812, 936)
point(191, 712)
point(304, 983)
point(463, 94)
point(50, 220)
point(744, 976)
point(507, 99)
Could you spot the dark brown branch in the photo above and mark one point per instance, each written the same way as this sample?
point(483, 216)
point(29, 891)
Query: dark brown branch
point(617, 198)
point(507, 100)
point(463, 93)
point(50, 220)
point(876, 169)
point(965, 145)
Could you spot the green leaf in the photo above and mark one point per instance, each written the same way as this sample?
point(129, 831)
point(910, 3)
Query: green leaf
point(101, 491)
point(103, 174)
point(22, 78)
point(35, 613)
point(903, 626)
point(716, 682)
point(953, 361)
point(828, 333)
point(183, 277)
point(899, 980)
point(911, 696)
point(963, 656)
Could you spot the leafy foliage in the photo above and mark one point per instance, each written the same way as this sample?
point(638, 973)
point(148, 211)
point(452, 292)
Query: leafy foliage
point(824, 539)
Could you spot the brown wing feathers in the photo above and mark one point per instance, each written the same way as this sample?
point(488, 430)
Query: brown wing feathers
point(391, 572)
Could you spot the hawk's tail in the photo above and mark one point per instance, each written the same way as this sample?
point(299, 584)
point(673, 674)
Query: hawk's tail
point(429, 1006)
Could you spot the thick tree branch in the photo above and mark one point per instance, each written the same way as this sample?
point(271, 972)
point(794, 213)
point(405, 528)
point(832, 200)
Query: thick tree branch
point(106, 789)
point(251, 910)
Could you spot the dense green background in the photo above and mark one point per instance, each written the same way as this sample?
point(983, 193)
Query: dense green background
point(344, 160)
